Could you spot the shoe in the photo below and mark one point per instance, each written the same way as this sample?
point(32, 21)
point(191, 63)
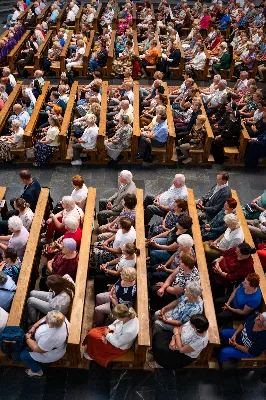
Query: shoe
point(86, 355)
point(187, 160)
point(138, 157)
point(30, 373)
point(76, 162)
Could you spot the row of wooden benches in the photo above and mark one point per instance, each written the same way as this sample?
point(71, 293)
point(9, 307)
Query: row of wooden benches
point(83, 302)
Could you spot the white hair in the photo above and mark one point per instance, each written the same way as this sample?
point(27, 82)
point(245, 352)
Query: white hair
point(232, 221)
point(185, 240)
point(16, 122)
point(125, 103)
point(68, 201)
point(55, 319)
point(91, 118)
point(71, 222)
point(180, 178)
point(223, 82)
point(6, 69)
point(15, 223)
point(194, 289)
point(217, 77)
point(126, 175)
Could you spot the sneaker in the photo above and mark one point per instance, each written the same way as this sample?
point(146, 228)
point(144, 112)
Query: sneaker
point(86, 355)
point(30, 373)
point(76, 162)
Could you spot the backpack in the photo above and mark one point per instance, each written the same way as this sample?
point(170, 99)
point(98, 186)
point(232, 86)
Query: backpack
point(16, 336)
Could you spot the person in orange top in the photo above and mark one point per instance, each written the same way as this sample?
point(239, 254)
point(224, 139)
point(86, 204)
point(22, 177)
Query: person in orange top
point(149, 58)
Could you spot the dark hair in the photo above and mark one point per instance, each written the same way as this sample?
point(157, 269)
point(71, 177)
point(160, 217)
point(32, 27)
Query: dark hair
point(95, 88)
point(185, 221)
point(129, 43)
point(161, 89)
point(231, 202)
point(224, 175)
point(25, 174)
point(188, 261)
point(163, 99)
point(59, 284)
point(200, 322)
point(253, 279)
point(125, 223)
point(246, 249)
point(21, 203)
point(130, 201)
point(181, 204)
point(26, 100)
point(10, 253)
point(98, 74)
point(55, 94)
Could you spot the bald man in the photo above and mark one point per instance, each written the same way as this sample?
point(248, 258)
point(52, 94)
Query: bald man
point(21, 115)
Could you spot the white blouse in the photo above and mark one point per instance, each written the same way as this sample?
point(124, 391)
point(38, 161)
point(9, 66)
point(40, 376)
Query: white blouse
point(123, 335)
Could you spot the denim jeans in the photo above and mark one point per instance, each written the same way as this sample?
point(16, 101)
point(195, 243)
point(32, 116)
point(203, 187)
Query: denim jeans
point(157, 255)
point(93, 65)
point(26, 358)
point(229, 352)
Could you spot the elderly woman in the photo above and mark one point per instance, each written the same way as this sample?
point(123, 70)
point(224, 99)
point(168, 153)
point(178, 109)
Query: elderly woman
point(247, 341)
point(60, 295)
point(180, 243)
point(73, 231)
point(123, 292)
point(230, 268)
point(243, 301)
point(163, 293)
point(18, 239)
point(129, 203)
point(232, 237)
point(179, 311)
point(47, 341)
point(105, 344)
point(78, 58)
point(102, 252)
point(216, 226)
point(45, 147)
point(149, 58)
point(206, 94)
point(224, 61)
point(15, 140)
point(124, 62)
point(121, 140)
point(56, 222)
point(52, 57)
point(177, 349)
point(195, 140)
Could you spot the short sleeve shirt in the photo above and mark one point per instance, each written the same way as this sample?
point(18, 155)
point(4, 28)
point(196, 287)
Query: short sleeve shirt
point(243, 299)
point(190, 337)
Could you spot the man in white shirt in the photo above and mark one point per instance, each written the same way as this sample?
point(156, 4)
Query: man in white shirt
point(71, 16)
point(200, 59)
point(164, 202)
point(240, 85)
point(87, 141)
point(215, 100)
point(125, 109)
point(7, 74)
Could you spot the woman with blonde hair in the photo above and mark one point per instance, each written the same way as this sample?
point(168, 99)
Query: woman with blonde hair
point(78, 59)
point(47, 340)
point(45, 147)
point(107, 343)
point(232, 237)
point(194, 140)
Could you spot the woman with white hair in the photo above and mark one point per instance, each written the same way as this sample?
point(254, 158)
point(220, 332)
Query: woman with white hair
point(179, 311)
point(247, 341)
point(47, 340)
point(18, 239)
point(73, 231)
point(88, 139)
point(232, 237)
point(15, 140)
point(56, 222)
point(206, 94)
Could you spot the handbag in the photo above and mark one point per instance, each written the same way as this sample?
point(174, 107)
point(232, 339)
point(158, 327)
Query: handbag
point(30, 152)
point(50, 250)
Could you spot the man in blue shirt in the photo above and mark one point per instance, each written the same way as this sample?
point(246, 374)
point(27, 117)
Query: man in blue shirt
point(224, 21)
point(155, 138)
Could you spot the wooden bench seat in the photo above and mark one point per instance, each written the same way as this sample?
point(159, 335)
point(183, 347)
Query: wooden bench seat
point(16, 51)
point(20, 152)
point(231, 153)
point(4, 209)
point(12, 99)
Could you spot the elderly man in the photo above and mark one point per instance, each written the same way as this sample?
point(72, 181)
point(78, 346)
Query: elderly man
point(71, 16)
point(214, 103)
point(125, 109)
point(213, 201)
point(156, 138)
point(7, 74)
point(7, 291)
point(164, 202)
point(240, 85)
point(21, 115)
point(113, 206)
point(87, 140)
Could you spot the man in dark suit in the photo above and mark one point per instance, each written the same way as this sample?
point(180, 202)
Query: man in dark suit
point(213, 201)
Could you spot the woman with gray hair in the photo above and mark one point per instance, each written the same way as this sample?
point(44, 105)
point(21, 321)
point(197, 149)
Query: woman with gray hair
point(18, 239)
point(47, 340)
point(87, 141)
point(56, 222)
point(15, 140)
point(179, 311)
point(232, 237)
point(121, 139)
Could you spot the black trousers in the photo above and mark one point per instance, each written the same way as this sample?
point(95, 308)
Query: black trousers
point(101, 280)
point(145, 147)
point(225, 318)
point(157, 302)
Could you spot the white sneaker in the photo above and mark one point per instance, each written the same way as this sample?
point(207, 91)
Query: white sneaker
point(86, 355)
point(76, 162)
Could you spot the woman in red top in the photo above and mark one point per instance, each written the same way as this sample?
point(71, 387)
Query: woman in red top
point(234, 265)
point(205, 23)
point(216, 41)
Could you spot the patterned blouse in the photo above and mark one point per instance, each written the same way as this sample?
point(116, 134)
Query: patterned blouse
point(182, 279)
point(12, 270)
point(125, 295)
point(185, 309)
point(198, 137)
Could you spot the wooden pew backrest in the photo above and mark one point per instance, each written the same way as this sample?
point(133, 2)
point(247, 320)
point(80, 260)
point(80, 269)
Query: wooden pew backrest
point(136, 126)
point(102, 124)
point(171, 128)
point(41, 49)
point(12, 98)
point(12, 56)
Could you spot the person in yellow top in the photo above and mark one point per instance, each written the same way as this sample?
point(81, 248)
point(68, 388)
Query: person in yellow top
point(149, 57)
point(45, 147)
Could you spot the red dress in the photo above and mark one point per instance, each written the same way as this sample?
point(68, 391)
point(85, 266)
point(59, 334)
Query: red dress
point(99, 351)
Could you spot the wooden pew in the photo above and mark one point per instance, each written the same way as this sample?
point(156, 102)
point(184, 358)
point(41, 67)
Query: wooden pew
point(30, 128)
point(177, 72)
point(15, 52)
point(23, 15)
point(43, 14)
point(135, 44)
point(136, 356)
point(134, 19)
point(29, 261)
point(214, 339)
point(66, 124)
point(42, 50)
point(3, 210)
point(58, 69)
point(83, 69)
point(150, 69)
point(4, 34)
point(107, 70)
point(12, 98)
point(261, 360)
point(115, 18)
point(74, 348)
point(97, 18)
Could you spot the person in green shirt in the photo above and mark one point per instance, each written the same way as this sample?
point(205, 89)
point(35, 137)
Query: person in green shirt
point(225, 61)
